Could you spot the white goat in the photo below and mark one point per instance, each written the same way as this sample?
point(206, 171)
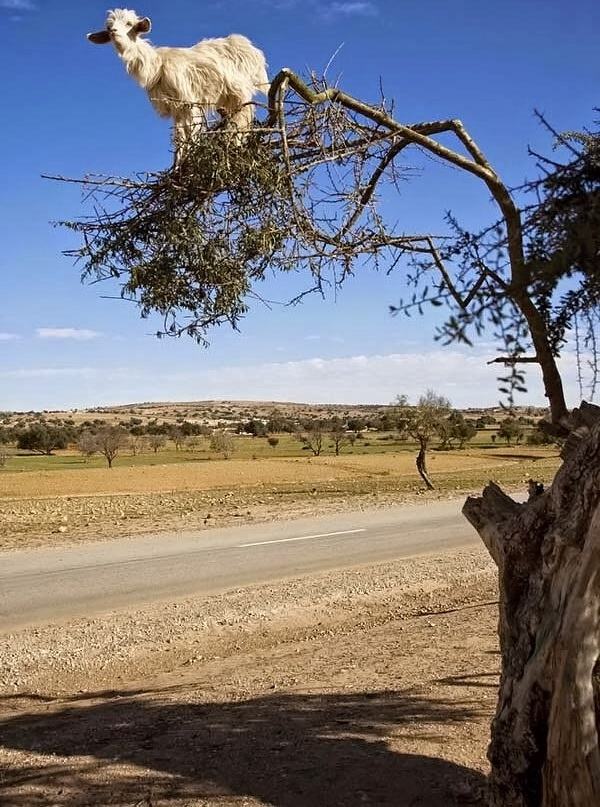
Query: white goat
point(184, 84)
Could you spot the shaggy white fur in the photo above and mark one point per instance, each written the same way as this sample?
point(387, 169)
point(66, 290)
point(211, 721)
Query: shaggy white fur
point(187, 83)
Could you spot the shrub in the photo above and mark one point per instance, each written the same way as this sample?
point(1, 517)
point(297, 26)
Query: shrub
point(222, 442)
point(42, 439)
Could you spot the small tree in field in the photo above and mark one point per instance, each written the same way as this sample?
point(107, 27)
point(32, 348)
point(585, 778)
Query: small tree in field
point(423, 423)
point(3, 456)
point(194, 246)
point(178, 437)
point(222, 442)
point(510, 429)
point(137, 444)
point(43, 439)
point(87, 444)
point(456, 429)
point(273, 441)
point(464, 431)
point(156, 442)
point(192, 442)
point(312, 439)
point(339, 436)
point(109, 442)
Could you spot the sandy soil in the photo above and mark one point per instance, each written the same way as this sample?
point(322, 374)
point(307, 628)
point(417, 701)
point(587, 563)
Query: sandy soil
point(194, 496)
point(373, 685)
point(205, 475)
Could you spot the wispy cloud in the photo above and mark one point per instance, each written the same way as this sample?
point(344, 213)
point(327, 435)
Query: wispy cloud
point(18, 5)
point(50, 372)
point(461, 375)
point(317, 337)
point(8, 337)
point(79, 334)
point(349, 8)
point(328, 10)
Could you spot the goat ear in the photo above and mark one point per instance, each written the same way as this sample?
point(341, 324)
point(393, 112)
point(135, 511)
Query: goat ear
point(144, 26)
point(99, 38)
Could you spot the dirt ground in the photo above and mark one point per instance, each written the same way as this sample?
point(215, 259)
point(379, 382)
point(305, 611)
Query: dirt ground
point(372, 685)
point(45, 508)
point(190, 476)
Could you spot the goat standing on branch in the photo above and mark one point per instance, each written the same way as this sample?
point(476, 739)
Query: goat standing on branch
point(185, 84)
point(305, 198)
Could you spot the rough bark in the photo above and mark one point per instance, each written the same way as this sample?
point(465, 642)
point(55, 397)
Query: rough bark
point(544, 747)
point(421, 462)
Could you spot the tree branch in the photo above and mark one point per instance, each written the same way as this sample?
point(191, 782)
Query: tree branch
point(515, 360)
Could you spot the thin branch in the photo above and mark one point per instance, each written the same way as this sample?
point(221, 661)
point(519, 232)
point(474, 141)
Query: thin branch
point(510, 360)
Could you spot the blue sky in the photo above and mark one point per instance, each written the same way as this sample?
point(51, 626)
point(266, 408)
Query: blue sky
point(69, 108)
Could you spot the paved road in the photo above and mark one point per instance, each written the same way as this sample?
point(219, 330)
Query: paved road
point(49, 585)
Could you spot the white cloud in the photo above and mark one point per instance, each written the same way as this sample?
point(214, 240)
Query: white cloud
point(461, 375)
point(8, 337)
point(329, 10)
point(347, 8)
point(79, 334)
point(352, 379)
point(50, 372)
point(18, 5)
point(317, 337)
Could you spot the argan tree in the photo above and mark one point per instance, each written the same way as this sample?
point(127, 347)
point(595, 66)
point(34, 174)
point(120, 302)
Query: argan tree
point(339, 435)
point(222, 442)
point(86, 444)
point(312, 438)
point(456, 428)
point(301, 195)
point(156, 441)
point(510, 429)
point(42, 438)
point(109, 441)
point(423, 423)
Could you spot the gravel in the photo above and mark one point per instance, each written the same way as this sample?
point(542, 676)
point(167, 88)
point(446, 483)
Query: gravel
point(164, 637)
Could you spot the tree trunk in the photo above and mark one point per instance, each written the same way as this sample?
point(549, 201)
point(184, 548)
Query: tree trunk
point(544, 748)
point(422, 466)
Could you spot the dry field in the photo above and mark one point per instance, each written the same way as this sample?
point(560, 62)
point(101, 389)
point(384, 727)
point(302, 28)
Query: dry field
point(234, 473)
point(65, 506)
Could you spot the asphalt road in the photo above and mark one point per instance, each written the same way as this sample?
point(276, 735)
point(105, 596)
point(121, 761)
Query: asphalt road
point(42, 586)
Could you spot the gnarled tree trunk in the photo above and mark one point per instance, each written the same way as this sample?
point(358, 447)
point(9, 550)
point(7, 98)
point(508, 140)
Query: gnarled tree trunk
point(421, 463)
point(544, 747)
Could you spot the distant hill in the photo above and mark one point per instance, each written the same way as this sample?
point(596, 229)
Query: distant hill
point(211, 411)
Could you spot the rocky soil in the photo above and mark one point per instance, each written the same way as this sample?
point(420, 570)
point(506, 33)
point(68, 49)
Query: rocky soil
point(75, 519)
point(372, 685)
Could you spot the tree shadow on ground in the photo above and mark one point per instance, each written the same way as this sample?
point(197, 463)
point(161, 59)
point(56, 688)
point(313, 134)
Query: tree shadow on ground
point(288, 750)
point(472, 680)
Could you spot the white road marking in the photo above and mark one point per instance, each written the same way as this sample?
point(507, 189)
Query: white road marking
point(301, 538)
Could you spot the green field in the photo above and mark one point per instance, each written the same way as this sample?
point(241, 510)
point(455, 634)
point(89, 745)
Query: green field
point(245, 448)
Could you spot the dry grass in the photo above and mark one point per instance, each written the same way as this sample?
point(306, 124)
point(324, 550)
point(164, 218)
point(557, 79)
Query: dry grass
point(219, 474)
point(52, 508)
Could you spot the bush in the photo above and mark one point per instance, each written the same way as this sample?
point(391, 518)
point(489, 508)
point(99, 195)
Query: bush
point(42, 439)
point(510, 429)
point(538, 438)
point(222, 443)
point(254, 427)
